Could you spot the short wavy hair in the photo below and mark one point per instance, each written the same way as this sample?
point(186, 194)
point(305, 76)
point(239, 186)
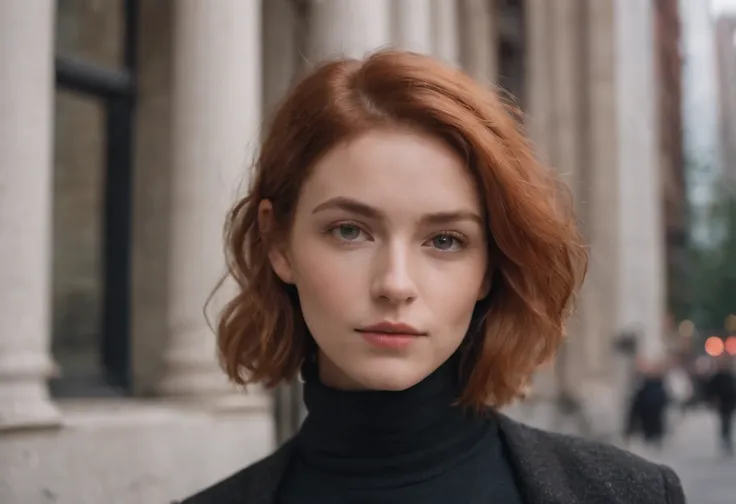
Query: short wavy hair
point(536, 254)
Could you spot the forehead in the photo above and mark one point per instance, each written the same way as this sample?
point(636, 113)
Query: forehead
point(400, 169)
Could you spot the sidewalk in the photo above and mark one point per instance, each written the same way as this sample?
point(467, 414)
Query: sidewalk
point(692, 451)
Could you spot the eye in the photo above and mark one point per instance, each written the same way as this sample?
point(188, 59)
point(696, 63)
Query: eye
point(447, 242)
point(348, 232)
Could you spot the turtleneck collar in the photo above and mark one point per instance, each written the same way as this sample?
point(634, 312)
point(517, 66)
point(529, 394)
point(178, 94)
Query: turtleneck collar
point(409, 435)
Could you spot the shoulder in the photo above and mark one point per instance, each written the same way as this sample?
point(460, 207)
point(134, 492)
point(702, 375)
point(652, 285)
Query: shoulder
point(614, 471)
point(587, 471)
point(254, 484)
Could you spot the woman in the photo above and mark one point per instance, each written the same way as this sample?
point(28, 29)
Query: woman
point(403, 251)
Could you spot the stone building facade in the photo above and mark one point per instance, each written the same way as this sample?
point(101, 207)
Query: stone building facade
point(126, 129)
point(726, 65)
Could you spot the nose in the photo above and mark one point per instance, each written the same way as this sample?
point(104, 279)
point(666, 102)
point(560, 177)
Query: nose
point(392, 280)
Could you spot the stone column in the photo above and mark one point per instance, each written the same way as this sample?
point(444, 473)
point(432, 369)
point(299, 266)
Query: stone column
point(353, 29)
point(446, 31)
point(216, 115)
point(413, 25)
point(282, 58)
point(538, 120)
point(641, 233)
point(26, 113)
point(567, 151)
point(538, 72)
point(479, 39)
point(567, 92)
point(599, 374)
point(602, 186)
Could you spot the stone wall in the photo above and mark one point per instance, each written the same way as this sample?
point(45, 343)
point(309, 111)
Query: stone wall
point(129, 453)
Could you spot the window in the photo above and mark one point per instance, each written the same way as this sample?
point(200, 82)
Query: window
point(92, 197)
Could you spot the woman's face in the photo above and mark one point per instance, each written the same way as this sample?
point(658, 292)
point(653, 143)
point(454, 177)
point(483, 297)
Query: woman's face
point(388, 254)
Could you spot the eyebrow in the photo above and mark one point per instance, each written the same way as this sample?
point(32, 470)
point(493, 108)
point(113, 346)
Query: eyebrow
point(369, 212)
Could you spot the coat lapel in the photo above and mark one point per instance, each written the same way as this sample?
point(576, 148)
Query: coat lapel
point(541, 475)
point(256, 484)
point(263, 487)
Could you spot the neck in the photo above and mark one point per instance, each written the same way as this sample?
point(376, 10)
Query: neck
point(333, 377)
point(414, 430)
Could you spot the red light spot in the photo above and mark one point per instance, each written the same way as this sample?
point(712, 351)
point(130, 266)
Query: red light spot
point(731, 345)
point(714, 346)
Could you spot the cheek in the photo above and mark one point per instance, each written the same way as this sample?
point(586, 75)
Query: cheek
point(457, 310)
point(454, 294)
point(325, 284)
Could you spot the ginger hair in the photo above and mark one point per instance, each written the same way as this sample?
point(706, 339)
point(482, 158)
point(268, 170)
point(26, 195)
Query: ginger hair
point(536, 253)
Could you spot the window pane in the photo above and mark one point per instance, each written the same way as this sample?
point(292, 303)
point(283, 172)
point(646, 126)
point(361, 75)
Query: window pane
point(77, 240)
point(91, 30)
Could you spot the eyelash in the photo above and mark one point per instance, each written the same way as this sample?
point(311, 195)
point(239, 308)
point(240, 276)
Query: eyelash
point(459, 237)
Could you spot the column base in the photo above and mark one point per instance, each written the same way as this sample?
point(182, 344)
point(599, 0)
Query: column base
point(27, 406)
point(212, 391)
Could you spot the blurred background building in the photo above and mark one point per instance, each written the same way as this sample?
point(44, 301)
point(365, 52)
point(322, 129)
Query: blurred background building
point(700, 114)
point(668, 36)
point(126, 130)
point(726, 57)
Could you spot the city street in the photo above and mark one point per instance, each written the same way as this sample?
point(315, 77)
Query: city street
point(708, 478)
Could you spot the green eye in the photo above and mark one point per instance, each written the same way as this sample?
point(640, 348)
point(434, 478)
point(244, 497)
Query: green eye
point(347, 232)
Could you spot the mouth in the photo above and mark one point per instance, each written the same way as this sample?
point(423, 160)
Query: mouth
point(390, 334)
point(389, 328)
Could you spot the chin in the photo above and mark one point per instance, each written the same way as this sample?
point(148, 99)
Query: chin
point(391, 378)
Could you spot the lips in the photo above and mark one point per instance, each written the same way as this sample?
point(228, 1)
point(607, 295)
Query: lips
point(392, 328)
point(391, 336)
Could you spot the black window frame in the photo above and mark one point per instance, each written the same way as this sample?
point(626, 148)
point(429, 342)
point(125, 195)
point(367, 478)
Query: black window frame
point(116, 89)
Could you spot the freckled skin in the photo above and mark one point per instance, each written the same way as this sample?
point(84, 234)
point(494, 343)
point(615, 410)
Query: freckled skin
point(354, 268)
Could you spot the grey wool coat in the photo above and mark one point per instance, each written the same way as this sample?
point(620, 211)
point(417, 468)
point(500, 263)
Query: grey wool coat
point(551, 469)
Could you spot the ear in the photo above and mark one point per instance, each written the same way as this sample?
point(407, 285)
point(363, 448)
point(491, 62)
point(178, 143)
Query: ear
point(277, 253)
point(485, 286)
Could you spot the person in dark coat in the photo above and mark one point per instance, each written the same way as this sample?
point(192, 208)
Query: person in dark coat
point(649, 404)
point(404, 252)
point(721, 392)
point(652, 403)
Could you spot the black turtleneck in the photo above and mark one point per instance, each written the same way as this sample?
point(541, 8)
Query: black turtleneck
point(413, 446)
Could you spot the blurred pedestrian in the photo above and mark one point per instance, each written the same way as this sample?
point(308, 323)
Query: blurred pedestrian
point(721, 393)
point(648, 405)
point(679, 387)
